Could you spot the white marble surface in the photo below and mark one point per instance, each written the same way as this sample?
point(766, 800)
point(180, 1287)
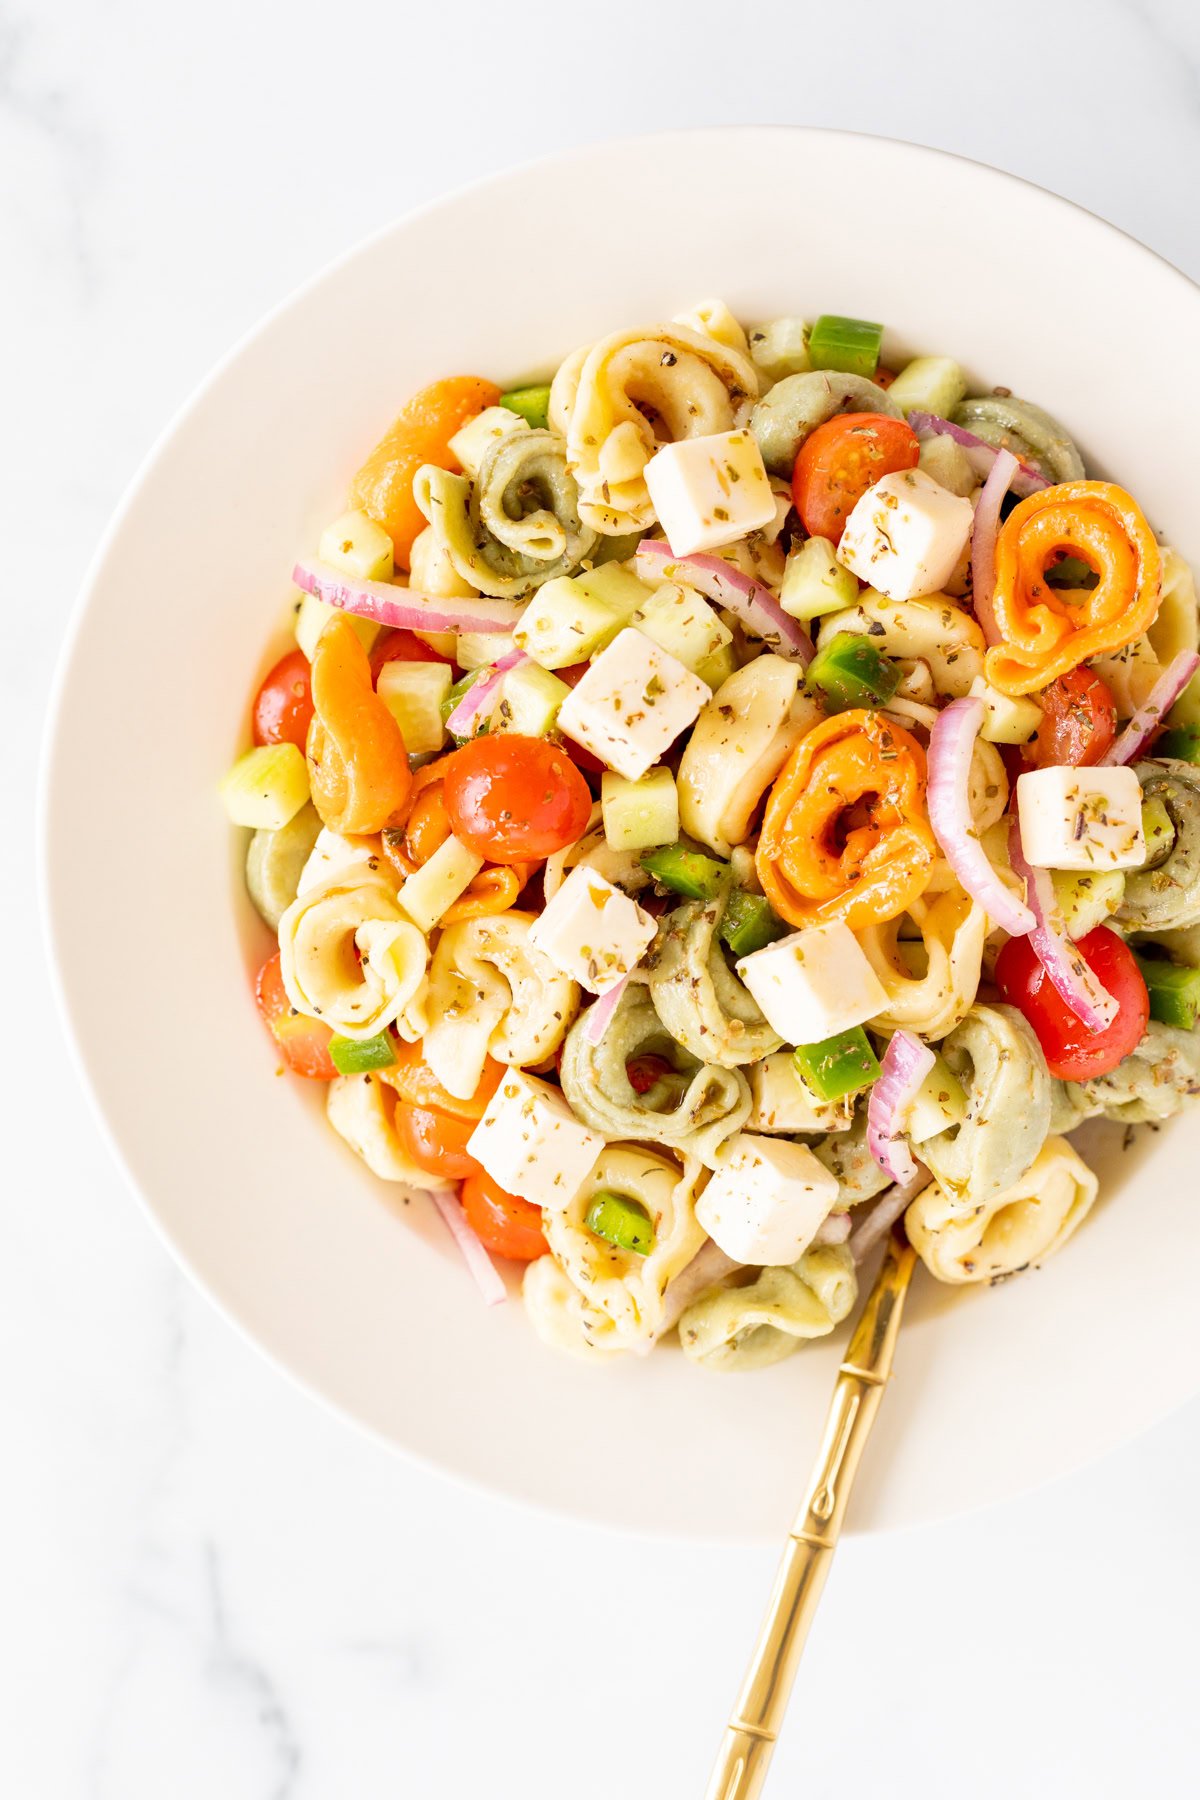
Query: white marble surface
point(207, 1586)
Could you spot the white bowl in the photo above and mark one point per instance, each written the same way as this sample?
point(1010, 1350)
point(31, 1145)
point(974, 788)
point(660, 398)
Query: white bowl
point(364, 1301)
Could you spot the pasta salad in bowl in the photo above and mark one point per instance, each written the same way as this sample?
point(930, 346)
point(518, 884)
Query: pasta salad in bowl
point(723, 799)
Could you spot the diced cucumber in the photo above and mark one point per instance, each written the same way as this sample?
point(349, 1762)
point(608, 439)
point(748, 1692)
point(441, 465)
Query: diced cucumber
point(1158, 829)
point(479, 649)
point(933, 384)
point(1174, 992)
point(750, 923)
point(1088, 899)
point(946, 462)
point(413, 693)
point(358, 545)
point(571, 618)
point(639, 815)
point(849, 671)
point(850, 346)
point(437, 884)
point(266, 787)
point(837, 1066)
point(939, 1103)
point(473, 440)
point(780, 347)
point(1005, 720)
point(681, 622)
point(814, 581)
point(275, 860)
point(533, 404)
point(313, 615)
point(530, 697)
point(1186, 710)
point(718, 667)
point(1181, 742)
point(684, 871)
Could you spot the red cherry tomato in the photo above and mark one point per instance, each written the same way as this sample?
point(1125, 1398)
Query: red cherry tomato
point(303, 1043)
point(1080, 720)
point(505, 1224)
point(283, 706)
point(1073, 1052)
point(644, 1071)
point(436, 1141)
point(404, 646)
point(514, 799)
point(840, 460)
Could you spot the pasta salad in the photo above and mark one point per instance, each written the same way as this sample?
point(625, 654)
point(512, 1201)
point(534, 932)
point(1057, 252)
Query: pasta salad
point(719, 802)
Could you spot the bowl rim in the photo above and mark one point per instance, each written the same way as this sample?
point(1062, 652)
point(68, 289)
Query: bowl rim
point(50, 748)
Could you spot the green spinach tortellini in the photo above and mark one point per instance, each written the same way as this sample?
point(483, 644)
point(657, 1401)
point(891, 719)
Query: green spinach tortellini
point(747, 1324)
point(697, 995)
point(1168, 896)
point(999, 1062)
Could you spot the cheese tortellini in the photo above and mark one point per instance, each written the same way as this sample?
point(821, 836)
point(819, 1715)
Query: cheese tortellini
point(696, 994)
point(362, 1110)
point(960, 1237)
point(930, 978)
point(741, 740)
point(934, 631)
point(348, 955)
point(1147, 1086)
point(1167, 897)
point(999, 1062)
point(492, 993)
point(799, 403)
point(749, 1324)
point(603, 398)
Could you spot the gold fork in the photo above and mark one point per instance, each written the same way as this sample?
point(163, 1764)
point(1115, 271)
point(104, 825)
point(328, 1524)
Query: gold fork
point(742, 1761)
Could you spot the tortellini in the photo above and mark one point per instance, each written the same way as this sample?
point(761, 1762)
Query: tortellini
point(931, 980)
point(738, 745)
point(696, 1108)
point(846, 1156)
point(962, 1238)
point(620, 1284)
point(1147, 1086)
point(275, 862)
point(518, 524)
point(699, 999)
point(799, 403)
point(999, 1062)
point(348, 955)
point(743, 1325)
point(603, 398)
point(1132, 671)
point(1167, 897)
point(492, 993)
point(564, 1318)
point(362, 1110)
point(933, 630)
point(1025, 429)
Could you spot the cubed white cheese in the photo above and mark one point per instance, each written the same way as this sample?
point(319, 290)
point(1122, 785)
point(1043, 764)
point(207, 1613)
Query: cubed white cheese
point(530, 1141)
point(330, 854)
point(781, 1102)
point(767, 1199)
point(906, 534)
point(473, 440)
point(709, 491)
point(632, 704)
point(814, 983)
point(592, 931)
point(1081, 818)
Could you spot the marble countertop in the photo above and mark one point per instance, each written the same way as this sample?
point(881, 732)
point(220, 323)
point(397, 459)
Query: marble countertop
point(210, 1587)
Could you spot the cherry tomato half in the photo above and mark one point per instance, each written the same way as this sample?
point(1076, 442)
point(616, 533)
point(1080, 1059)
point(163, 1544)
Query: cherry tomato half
point(1073, 1052)
point(1080, 720)
point(303, 1043)
point(504, 1224)
point(404, 646)
point(840, 460)
point(436, 1141)
point(514, 799)
point(283, 706)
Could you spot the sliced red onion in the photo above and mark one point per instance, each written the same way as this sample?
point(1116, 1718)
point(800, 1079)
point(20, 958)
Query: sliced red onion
point(1154, 709)
point(983, 542)
point(981, 456)
point(480, 692)
point(401, 606)
point(951, 744)
point(887, 1209)
point(599, 1014)
point(906, 1063)
point(487, 1276)
point(1070, 976)
point(718, 580)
